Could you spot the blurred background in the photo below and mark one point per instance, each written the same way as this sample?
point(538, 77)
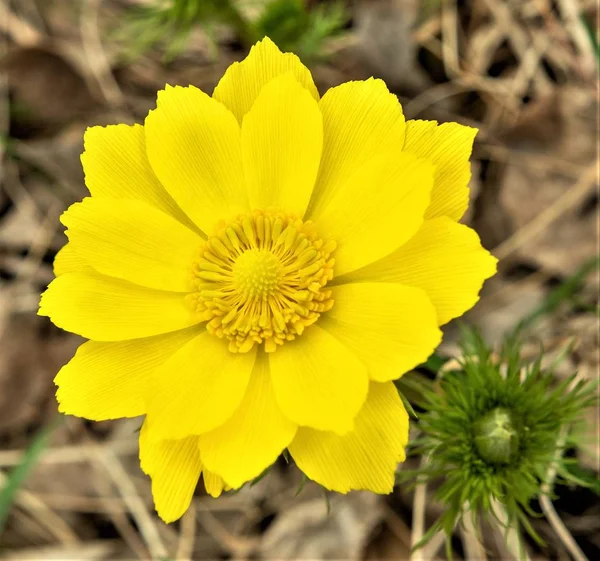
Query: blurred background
point(522, 71)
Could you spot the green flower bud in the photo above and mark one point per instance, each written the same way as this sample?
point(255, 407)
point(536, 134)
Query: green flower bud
point(490, 429)
point(496, 439)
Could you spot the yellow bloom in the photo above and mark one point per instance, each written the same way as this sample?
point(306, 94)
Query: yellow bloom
point(253, 269)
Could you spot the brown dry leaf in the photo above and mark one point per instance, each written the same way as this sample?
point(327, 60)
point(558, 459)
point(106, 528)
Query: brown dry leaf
point(306, 531)
point(503, 304)
point(19, 225)
point(557, 146)
point(28, 364)
point(59, 158)
point(390, 543)
point(74, 479)
point(385, 43)
point(46, 91)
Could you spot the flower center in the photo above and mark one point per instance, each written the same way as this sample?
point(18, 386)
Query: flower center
point(262, 278)
point(257, 273)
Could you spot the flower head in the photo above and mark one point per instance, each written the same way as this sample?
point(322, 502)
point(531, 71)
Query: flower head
point(253, 269)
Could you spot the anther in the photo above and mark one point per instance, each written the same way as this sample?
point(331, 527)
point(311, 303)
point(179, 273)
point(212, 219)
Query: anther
point(261, 279)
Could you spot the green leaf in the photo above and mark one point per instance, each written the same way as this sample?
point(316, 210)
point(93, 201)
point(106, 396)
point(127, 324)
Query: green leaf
point(583, 477)
point(434, 363)
point(407, 405)
point(302, 485)
point(293, 27)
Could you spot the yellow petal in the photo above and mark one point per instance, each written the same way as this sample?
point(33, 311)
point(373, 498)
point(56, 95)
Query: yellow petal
point(391, 328)
point(449, 147)
point(242, 82)
point(174, 466)
point(198, 388)
point(369, 223)
point(253, 438)
point(193, 146)
point(282, 137)
point(213, 483)
point(67, 261)
point(133, 241)
point(360, 120)
point(318, 381)
point(365, 458)
point(116, 166)
point(445, 259)
point(109, 380)
point(107, 309)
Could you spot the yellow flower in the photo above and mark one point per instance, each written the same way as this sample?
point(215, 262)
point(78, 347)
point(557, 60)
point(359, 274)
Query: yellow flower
point(253, 269)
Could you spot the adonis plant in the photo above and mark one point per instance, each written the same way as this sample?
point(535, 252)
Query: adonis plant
point(253, 270)
point(493, 435)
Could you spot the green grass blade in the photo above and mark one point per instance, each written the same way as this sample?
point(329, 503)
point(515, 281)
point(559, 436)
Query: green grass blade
point(18, 475)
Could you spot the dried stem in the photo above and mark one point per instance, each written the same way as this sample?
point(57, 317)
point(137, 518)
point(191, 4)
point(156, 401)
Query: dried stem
point(44, 515)
point(185, 549)
point(418, 523)
point(95, 54)
point(470, 534)
point(542, 221)
point(514, 541)
point(136, 506)
point(554, 519)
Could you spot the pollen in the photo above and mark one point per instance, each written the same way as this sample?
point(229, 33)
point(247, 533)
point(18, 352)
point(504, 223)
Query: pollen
point(263, 279)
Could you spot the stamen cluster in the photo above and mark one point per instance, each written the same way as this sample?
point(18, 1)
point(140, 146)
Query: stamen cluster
point(262, 278)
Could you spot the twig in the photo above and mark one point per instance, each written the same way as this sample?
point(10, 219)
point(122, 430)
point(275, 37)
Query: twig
point(547, 507)
point(96, 56)
point(514, 541)
point(517, 37)
point(573, 24)
point(185, 549)
point(430, 549)
point(450, 38)
point(543, 162)
point(427, 30)
point(32, 12)
point(529, 66)
point(134, 503)
point(69, 454)
point(542, 221)
point(21, 32)
point(470, 538)
point(4, 101)
point(82, 503)
point(45, 516)
point(42, 240)
point(235, 545)
point(119, 518)
point(561, 530)
point(418, 524)
point(465, 83)
point(396, 524)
